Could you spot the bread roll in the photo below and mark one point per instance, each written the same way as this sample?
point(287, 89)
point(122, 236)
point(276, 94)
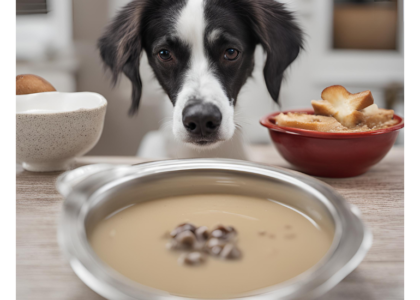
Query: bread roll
point(30, 84)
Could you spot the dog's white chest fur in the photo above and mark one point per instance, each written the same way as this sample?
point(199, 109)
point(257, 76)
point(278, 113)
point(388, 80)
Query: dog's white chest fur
point(162, 144)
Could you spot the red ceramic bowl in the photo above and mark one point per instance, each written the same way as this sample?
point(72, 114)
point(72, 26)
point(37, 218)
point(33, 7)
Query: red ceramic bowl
point(330, 154)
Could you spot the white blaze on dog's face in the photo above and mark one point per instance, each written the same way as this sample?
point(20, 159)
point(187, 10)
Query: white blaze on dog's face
point(200, 84)
point(202, 53)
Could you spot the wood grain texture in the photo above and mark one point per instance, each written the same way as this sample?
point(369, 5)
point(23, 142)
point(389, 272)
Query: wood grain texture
point(43, 272)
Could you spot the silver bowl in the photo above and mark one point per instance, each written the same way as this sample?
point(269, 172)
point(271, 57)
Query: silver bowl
point(93, 192)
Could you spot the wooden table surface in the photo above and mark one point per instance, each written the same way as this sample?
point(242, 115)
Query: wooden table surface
point(43, 273)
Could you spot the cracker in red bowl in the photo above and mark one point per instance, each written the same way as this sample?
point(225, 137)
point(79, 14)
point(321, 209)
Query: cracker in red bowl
point(340, 111)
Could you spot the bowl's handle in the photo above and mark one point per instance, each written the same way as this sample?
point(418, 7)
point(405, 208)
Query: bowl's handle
point(66, 181)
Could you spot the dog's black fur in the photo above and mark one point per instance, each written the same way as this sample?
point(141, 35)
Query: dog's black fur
point(245, 23)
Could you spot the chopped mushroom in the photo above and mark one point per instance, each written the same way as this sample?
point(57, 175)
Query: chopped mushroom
point(220, 242)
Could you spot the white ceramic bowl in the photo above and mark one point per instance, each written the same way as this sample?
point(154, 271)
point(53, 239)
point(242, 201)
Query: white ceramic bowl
point(53, 128)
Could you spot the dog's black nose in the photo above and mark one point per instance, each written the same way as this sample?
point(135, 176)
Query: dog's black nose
point(201, 118)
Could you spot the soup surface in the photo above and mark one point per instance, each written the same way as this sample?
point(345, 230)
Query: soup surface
point(277, 244)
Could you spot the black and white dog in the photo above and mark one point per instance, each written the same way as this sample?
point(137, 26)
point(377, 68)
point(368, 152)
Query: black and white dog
point(202, 53)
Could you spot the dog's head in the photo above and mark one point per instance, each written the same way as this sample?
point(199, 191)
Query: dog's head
point(202, 52)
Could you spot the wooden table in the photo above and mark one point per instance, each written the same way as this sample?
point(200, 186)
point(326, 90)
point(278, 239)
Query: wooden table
point(43, 273)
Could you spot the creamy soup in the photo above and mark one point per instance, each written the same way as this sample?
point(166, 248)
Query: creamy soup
point(277, 243)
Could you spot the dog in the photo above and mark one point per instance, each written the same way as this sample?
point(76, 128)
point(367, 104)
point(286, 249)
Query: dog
point(202, 53)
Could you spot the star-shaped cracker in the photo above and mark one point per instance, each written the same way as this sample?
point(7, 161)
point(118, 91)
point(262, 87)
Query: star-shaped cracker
point(342, 105)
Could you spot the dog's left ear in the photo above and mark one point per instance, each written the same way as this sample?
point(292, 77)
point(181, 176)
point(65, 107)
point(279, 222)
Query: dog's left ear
point(120, 48)
point(281, 38)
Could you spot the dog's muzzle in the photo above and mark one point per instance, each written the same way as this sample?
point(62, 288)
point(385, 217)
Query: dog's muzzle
point(202, 121)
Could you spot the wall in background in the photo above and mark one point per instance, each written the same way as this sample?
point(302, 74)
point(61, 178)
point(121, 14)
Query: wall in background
point(44, 45)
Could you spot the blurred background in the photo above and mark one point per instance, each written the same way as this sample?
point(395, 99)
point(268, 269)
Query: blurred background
point(354, 43)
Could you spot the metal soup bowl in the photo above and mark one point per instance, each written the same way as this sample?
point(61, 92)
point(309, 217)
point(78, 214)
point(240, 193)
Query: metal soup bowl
point(94, 192)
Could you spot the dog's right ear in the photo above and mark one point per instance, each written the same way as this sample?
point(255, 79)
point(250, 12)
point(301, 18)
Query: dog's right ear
point(281, 37)
point(120, 48)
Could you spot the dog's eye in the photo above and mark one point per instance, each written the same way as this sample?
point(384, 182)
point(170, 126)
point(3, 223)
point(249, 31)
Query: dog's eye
point(231, 54)
point(165, 55)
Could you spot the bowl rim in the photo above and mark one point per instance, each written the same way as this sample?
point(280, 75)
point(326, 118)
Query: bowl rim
point(267, 122)
point(30, 97)
point(354, 236)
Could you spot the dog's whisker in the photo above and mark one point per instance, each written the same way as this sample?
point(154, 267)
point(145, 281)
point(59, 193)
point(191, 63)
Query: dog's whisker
point(165, 122)
point(244, 122)
point(238, 127)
